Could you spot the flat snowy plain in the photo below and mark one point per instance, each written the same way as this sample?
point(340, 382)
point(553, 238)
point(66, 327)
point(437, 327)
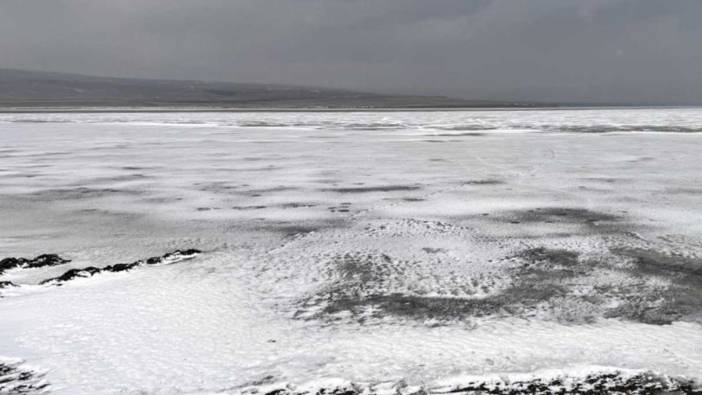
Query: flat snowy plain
point(424, 248)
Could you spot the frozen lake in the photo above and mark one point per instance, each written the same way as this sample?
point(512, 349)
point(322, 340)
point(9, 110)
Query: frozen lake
point(374, 247)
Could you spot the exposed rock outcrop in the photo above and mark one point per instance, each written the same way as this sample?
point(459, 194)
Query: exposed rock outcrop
point(171, 257)
point(608, 381)
point(39, 261)
point(17, 378)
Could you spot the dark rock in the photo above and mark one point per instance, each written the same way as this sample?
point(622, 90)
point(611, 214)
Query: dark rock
point(595, 383)
point(588, 221)
point(7, 284)
point(47, 260)
point(15, 378)
point(614, 382)
point(74, 273)
point(153, 260)
point(90, 271)
point(120, 267)
point(10, 263)
point(182, 253)
point(39, 261)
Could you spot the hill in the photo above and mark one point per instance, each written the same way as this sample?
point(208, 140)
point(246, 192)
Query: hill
point(21, 88)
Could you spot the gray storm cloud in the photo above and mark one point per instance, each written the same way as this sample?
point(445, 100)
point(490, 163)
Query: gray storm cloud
point(635, 51)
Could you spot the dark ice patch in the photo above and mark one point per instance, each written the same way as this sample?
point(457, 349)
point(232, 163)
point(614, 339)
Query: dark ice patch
point(606, 180)
point(467, 126)
point(291, 229)
point(410, 306)
point(7, 152)
point(297, 205)
point(652, 262)
point(466, 134)
point(264, 168)
point(116, 178)
point(280, 188)
point(413, 199)
point(562, 214)
point(547, 281)
point(683, 191)
point(342, 208)
point(642, 159)
point(513, 301)
point(137, 168)
point(682, 300)
point(328, 181)
point(618, 128)
point(267, 379)
point(255, 159)
point(79, 193)
point(486, 181)
point(553, 257)
point(638, 301)
point(359, 267)
point(253, 207)
point(381, 188)
point(295, 230)
point(218, 187)
point(359, 281)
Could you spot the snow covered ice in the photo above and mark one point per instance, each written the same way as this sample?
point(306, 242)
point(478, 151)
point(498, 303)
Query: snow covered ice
point(350, 249)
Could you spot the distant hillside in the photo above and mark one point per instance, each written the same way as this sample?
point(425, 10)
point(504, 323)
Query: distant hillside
point(20, 88)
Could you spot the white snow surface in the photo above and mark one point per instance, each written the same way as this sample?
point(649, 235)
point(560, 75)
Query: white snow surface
point(291, 209)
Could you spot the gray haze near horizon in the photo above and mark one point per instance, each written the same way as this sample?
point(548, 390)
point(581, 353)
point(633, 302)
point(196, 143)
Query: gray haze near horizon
point(613, 51)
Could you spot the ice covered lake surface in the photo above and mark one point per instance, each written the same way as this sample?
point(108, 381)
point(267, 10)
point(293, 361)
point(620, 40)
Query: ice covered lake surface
point(396, 250)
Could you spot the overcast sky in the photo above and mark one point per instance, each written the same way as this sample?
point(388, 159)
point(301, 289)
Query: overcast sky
point(547, 50)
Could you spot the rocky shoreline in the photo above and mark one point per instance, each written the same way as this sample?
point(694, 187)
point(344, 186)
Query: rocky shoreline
point(46, 260)
point(604, 381)
point(39, 261)
point(16, 378)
